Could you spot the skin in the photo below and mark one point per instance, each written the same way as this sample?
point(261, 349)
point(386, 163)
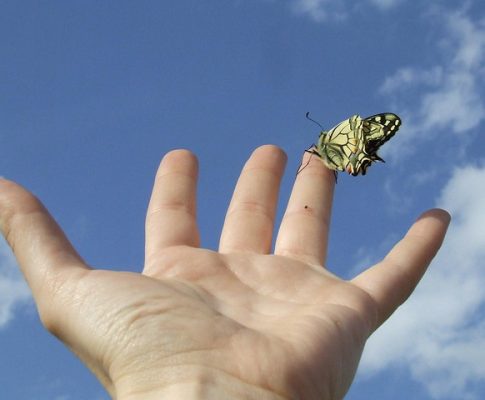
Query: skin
point(240, 323)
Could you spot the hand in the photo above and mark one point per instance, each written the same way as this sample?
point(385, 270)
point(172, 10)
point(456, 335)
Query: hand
point(240, 323)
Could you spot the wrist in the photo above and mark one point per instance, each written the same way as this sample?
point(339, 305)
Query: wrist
point(199, 386)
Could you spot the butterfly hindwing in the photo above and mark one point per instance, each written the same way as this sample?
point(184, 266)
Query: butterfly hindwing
point(378, 129)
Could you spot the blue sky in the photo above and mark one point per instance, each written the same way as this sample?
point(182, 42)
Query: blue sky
point(92, 94)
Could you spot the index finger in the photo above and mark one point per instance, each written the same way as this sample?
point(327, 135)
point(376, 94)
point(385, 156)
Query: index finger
point(303, 233)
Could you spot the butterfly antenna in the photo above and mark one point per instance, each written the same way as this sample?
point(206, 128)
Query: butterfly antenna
point(307, 115)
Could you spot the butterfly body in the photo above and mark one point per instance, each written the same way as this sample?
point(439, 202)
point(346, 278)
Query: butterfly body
point(352, 145)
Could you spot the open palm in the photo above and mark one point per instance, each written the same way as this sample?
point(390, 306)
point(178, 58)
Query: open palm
point(238, 323)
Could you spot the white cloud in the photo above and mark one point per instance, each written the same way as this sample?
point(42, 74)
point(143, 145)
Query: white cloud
point(456, 105)
point(319, 10)
point(13, 289)
point(408, 76)
point(449, 94)
point(470, 38)
point(438, 334)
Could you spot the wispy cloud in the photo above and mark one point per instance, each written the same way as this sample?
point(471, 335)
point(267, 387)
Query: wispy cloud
point(318, 10)
point(438, 333)
point(321, 10)
point(384, 4)
point(13, 289)
point(447, 96)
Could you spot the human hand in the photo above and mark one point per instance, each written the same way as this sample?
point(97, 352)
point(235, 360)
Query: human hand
point(240, 323)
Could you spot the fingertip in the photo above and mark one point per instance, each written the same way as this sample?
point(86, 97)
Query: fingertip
point(179, 154)
point(15, 198)
point(267, 157)
point(6, 183)
point(432, 223)
point(179, 161)
point(271, 152)
point(439, 214)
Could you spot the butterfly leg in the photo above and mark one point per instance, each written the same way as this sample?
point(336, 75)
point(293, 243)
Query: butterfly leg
point(311, 150)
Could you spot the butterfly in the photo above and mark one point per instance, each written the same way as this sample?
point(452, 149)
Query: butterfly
point(352, 145)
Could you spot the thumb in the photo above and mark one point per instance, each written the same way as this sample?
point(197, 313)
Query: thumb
point(391, 281)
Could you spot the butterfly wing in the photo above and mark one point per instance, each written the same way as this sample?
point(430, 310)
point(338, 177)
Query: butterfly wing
point(352, 144)
point(343, 147)
point(377, 130)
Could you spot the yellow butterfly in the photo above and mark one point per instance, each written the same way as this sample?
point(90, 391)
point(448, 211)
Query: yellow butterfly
point(352, 145)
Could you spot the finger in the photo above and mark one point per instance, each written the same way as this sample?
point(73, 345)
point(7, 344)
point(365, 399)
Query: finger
point(392, 281)
point(171, 215)
point(303, 233)
point(250, 218)
point(43, 252)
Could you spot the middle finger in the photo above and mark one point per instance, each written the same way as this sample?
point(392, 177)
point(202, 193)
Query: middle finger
point(250, 218)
